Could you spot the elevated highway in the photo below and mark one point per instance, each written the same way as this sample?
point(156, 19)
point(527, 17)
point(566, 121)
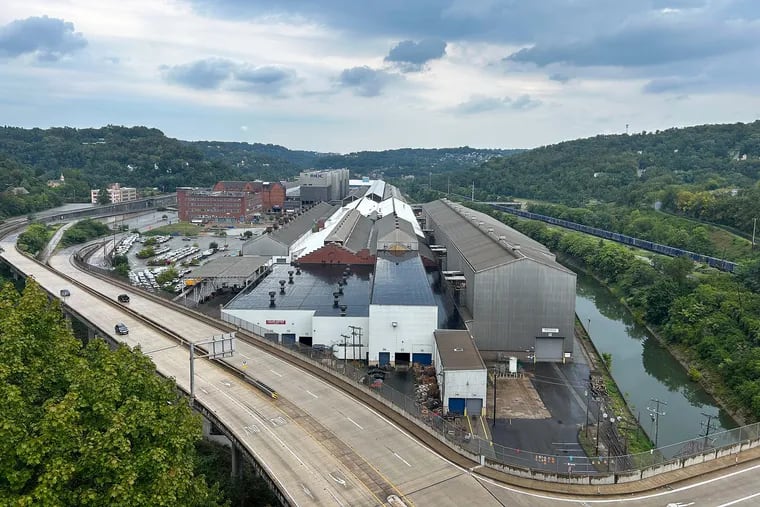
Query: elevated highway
point(319, 445)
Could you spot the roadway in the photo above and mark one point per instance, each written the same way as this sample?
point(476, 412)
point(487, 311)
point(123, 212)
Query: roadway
point(322, 446)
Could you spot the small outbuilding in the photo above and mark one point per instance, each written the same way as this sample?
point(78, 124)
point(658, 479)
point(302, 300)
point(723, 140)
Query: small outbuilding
point(461, 373)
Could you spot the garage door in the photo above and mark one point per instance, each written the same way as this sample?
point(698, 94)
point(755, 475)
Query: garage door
point(456, 405)
point(288, 338)
point(423, 359)
point(549, 350)
point(384, 358)
point(474, 406)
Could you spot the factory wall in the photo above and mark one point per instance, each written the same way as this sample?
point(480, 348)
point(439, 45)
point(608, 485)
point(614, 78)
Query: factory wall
point(412, 334)
point(327, 330)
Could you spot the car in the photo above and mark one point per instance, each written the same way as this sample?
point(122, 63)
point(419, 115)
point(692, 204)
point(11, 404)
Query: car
point(121, 329)
point(123, 298)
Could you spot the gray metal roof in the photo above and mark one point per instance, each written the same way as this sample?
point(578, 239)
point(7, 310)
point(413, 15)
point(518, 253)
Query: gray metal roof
point(457, 350)
point(362, 236)
point(400, 279)
point(390, 223)
point(289, 233)
point(230, 267)
point(342, 231)
point(484, 241)
point(264, 245)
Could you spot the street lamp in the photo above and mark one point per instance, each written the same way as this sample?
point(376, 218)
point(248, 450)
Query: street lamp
point(493, 422)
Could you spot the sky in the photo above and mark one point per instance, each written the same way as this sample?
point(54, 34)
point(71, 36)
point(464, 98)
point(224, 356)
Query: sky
point(350, 75)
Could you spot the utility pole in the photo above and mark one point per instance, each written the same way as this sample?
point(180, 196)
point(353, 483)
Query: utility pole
point(493, 423)
point(655, 414)
point(448, 187)
point(355, 331)
point(345, 352)
point(707, 426)
point(586, 393)
point(472, 198)
point(754, 226)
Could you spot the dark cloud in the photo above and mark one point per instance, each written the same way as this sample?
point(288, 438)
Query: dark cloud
point(663, 40)
point(205, 74)
point(214, 73)
point(481, 104)
point(49, 39)
point(365, 81)
point(411, 56)
point(559, 77)
point(266, 79)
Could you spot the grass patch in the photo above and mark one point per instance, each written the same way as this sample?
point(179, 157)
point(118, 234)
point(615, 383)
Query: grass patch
point(178, 229)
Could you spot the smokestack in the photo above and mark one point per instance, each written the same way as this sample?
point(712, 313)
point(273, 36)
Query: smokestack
point(282, 286)
point(290, 274)
point(271, 298)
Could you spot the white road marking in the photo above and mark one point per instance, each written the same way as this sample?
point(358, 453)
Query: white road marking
point(278, 374)
point(335, 498)
point(402, 459)
point(227, 384)
point(355, 423)
point(206, 392)
point(737, 500)
point(306, 490)
point(311, 393)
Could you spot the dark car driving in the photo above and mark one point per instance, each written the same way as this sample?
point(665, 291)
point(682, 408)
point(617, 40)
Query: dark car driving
point(121, 329)
point(123, 298)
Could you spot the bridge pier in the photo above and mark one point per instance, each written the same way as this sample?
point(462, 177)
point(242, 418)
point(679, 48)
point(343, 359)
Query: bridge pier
point(237, 463)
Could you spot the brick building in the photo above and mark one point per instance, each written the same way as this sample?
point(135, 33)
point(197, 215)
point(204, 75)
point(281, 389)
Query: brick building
point(215, 206)
point(271, 194)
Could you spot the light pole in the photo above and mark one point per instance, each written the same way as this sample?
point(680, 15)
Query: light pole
point(493, 422)
point(754, 226)
point(586, 393)
point(598, 413)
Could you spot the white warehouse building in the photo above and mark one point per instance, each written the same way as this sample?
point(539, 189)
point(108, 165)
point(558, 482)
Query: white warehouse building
point(461, 373)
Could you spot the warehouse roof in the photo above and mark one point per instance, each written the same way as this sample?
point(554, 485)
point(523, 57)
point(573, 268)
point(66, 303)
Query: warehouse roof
point(311, 290)
point(484, 241)
point(400, 279)
point(457, 350)
point(231, 267)
point(303, 223)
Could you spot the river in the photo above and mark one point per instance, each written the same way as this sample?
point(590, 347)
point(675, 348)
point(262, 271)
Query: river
point(644, 370)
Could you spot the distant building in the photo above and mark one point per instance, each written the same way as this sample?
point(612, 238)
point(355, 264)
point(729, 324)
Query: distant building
point(116, 194)
point(329, 186)
point(270, 195)
point(57, 183)
point(203, 205)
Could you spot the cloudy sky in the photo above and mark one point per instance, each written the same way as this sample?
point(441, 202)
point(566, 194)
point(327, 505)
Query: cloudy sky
point(348, 75)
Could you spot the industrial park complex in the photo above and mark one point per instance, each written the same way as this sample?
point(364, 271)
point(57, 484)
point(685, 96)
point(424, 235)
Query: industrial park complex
point(358, 272)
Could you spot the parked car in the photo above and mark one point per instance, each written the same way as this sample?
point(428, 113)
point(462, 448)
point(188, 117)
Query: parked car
point(121, 329)
point(123, 298)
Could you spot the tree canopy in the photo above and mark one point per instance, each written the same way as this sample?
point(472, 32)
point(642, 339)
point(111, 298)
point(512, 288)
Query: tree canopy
point(85, 425)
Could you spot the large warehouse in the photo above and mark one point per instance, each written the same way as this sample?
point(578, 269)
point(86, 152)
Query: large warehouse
point(517, 298)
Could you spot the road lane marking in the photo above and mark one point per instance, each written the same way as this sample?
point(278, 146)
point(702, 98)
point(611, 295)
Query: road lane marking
point(338, 480)
point(737, 500)
point(355, 423)
point(311, 393)
point(278, 374)
point(402, 459)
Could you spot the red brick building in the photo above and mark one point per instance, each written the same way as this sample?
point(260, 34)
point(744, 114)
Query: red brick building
point(215, 206)
point(271, 194)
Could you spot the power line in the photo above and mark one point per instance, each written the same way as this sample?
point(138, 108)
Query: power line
point(707, 426)
point(655, 414)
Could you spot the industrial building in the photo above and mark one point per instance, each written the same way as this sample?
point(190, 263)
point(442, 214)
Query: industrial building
point(327, 186)
point(202, 205)
point(116, 193)
point(513, 295)
point(461, 373)
point(270, 195)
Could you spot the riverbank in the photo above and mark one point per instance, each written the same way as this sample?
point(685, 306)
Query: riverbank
point(678, 355)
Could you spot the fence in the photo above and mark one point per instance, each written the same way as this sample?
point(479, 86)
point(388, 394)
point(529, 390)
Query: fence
point(625, 467)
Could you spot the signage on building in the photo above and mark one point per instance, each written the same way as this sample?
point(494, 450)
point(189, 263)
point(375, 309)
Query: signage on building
point(273, 321)
point(549, 330)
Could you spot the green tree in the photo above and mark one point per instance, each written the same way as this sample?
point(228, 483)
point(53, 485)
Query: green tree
point(103, 196)
point(167, 275)
point(34, 238)
point(87, 425)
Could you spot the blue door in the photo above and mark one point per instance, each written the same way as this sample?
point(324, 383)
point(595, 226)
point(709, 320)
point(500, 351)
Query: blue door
point(288, 339)
point(456, 405)
point(423, 359)
point(385, 358)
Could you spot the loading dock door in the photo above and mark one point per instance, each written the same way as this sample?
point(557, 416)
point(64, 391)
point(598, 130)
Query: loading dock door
point(288, 338)
point(456, 405)
point(384, 358)
point(549, 350)
point(423, 359)
point(474, 406)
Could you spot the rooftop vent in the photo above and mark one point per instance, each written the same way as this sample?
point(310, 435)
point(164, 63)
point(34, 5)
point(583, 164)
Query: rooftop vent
point(343, 309)
point(282, 286)
point(340, 288)
point(336, 301)
point(271, 298)
point(298, 270)
point(290, 275)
